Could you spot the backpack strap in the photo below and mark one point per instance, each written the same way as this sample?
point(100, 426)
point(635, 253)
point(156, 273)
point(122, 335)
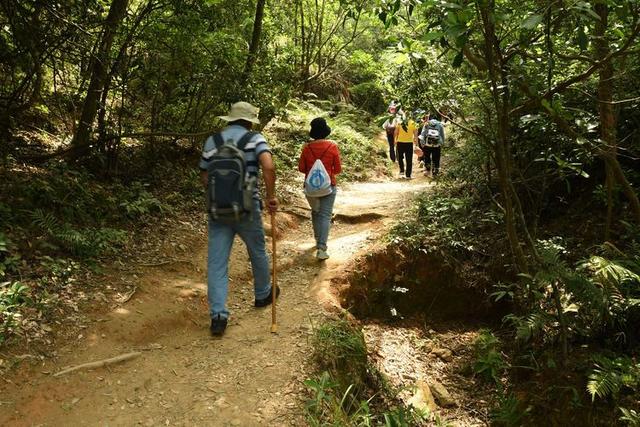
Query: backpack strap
point(323, 153)
point(242, 142)
point(246, 138)
point(217, 139)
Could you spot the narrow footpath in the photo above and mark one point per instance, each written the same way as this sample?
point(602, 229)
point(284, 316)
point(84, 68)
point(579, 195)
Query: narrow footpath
point(185, 377)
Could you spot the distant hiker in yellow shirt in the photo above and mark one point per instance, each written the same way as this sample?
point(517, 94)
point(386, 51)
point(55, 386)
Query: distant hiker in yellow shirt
point(405, 138)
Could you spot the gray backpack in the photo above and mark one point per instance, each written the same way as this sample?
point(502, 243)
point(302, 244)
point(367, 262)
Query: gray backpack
point(431, 135)
point(230, 188)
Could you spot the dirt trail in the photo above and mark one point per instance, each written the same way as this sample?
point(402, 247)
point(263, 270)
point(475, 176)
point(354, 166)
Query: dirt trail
point(185, 377)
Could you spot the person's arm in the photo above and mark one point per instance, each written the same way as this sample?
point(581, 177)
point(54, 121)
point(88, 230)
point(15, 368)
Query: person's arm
point(337, 165)
point(206, 150)
point(269, 176)
point(415, 135)
point(395, 135)
point(442, 133)
point(302, 163)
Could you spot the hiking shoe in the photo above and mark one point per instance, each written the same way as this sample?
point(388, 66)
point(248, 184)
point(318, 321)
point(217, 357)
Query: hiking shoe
point(408, 177)
point(401, 174)
point(268, 299)
point(322, 254)
point(218, 325)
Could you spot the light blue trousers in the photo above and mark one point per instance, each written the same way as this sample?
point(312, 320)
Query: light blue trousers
point(221, 237)
point(321, 212)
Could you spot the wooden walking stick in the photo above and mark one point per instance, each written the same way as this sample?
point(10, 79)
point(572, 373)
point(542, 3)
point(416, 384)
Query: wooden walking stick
point(274, 283)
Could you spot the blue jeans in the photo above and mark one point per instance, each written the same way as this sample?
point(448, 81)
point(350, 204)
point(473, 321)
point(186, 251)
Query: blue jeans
point(321, 211)
point(220, 241)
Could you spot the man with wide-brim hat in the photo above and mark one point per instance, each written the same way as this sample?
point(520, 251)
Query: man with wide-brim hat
point(257, 156)
point(242, 111)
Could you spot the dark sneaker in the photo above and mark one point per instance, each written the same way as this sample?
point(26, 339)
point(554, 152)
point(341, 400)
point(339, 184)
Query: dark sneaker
point(268, 299)
point(218, 325)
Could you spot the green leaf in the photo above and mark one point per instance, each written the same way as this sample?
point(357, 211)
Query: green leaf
point(433, 35)
point(447, 5)
point(457, 61)
point(585, 10)
point(583, 40)
point(531, 22)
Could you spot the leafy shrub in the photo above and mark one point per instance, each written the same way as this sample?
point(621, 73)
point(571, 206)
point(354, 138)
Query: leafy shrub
point(140, 203)
point(362, 67)
point(9, 260)
point(489, 362)
point(630, 417)
point(368, 96)
point(509, 411)
point(340, 349)
point(610, 375)
point(329, 406)
point(441, 219)
point(12, 297)
point(87, 242)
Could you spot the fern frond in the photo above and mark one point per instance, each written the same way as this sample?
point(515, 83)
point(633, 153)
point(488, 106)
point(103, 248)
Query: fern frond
point(45, 221)
point(630, 416)
point(531, 326)
point(610, 375)
point(610, 273)
point(603, 383)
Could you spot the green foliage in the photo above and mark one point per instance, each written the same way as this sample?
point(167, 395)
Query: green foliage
point(87, 242)
point(595, 298)
point(489, 362)
point(340, 349)
point(610, 375)
point(329, 405)
point(630, 417)
point(60, 272)
point(141, 203)
point(444, 217)
point(509, 412)
point(13, 295)
point(368, 96)
point(9, 260)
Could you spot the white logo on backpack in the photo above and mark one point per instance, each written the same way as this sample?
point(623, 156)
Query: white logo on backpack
point(433, 137)
point(318, 181)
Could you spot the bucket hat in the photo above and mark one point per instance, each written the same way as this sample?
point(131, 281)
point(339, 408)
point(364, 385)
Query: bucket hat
point(319, 128)
point(242, 111)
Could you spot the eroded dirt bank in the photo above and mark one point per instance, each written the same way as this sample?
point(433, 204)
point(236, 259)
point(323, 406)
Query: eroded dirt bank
point(183, 376)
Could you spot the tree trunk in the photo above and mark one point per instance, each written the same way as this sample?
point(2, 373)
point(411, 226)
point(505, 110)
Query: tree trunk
point(99, 69)
point(254, 47)
point(117, 67)
point(608, 122)
point(501, 148)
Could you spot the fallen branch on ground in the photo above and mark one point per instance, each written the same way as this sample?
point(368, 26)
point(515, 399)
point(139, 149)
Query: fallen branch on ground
point(161, 263)
point(128, 296)
point(100, 363)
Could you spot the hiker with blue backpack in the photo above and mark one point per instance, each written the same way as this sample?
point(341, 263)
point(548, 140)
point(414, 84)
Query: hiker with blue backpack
point(320, 163)
point(230, 170)
point(431, 141)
